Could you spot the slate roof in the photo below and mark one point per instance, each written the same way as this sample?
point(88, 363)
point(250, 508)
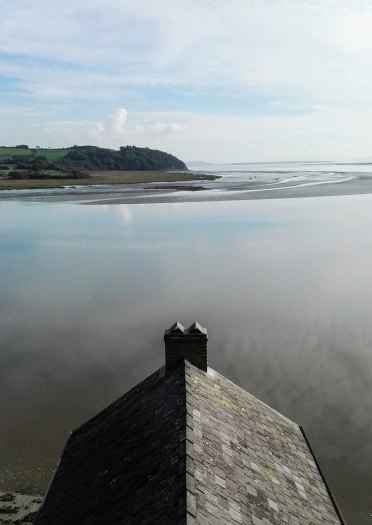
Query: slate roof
point(127, 464)
point(188, 447)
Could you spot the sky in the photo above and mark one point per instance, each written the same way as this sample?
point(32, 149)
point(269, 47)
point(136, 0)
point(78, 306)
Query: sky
point(211, 80)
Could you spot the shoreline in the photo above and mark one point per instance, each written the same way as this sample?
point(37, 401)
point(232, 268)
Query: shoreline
point(102, 178)
point(18, 507)
point(203, 188)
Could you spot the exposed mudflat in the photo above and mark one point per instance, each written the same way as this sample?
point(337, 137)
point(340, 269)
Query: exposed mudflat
point(18, 508)
point(230, 186)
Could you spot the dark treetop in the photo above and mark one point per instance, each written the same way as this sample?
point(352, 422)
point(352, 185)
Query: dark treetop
point(92, 158)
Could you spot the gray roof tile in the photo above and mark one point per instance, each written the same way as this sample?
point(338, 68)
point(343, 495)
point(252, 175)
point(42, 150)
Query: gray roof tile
point(268, 472)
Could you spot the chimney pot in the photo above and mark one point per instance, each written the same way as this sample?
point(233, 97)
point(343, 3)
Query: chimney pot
point(186, 343)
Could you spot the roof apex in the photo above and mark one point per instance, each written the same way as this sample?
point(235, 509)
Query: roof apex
point(195, 328)
point(177, 327)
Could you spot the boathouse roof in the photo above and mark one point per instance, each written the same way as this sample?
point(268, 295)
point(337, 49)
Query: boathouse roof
point(188, 446)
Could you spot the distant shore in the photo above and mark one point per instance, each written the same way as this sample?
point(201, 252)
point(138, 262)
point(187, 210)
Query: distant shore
point(99, 178)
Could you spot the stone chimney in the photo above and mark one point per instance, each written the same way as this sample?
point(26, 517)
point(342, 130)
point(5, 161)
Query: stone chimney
point(186, 343)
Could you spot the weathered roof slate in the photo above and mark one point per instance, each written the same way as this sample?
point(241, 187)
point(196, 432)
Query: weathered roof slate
point(246, 462)
point(188, 446)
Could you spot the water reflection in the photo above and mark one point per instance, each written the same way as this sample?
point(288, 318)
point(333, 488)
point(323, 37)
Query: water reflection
point(283, 287)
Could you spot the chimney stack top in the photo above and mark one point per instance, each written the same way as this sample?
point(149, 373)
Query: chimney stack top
point(186, 343)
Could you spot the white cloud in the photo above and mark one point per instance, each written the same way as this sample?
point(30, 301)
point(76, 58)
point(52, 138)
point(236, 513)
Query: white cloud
point(165, 128)
point(115, 123)
point(112, 132)
point(351, 33)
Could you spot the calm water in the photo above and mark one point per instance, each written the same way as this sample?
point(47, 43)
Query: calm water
point(283, 286)
point(289, 167)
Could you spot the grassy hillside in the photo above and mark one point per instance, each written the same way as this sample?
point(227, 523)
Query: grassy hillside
point(52, 154)
point(49, 154)
point(12, 151)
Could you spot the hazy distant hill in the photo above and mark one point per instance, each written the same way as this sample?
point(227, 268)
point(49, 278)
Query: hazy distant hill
point(361, 159)
point(199, 163)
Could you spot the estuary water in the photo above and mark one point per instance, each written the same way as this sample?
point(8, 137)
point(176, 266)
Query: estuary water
point(283, 285)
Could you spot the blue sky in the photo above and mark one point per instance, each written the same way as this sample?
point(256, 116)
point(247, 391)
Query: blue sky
point(244, 80)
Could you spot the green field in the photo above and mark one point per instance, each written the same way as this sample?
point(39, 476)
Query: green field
point(50, 154)
point(6, 152)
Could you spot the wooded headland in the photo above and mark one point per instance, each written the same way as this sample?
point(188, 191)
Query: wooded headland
point(22, 167)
